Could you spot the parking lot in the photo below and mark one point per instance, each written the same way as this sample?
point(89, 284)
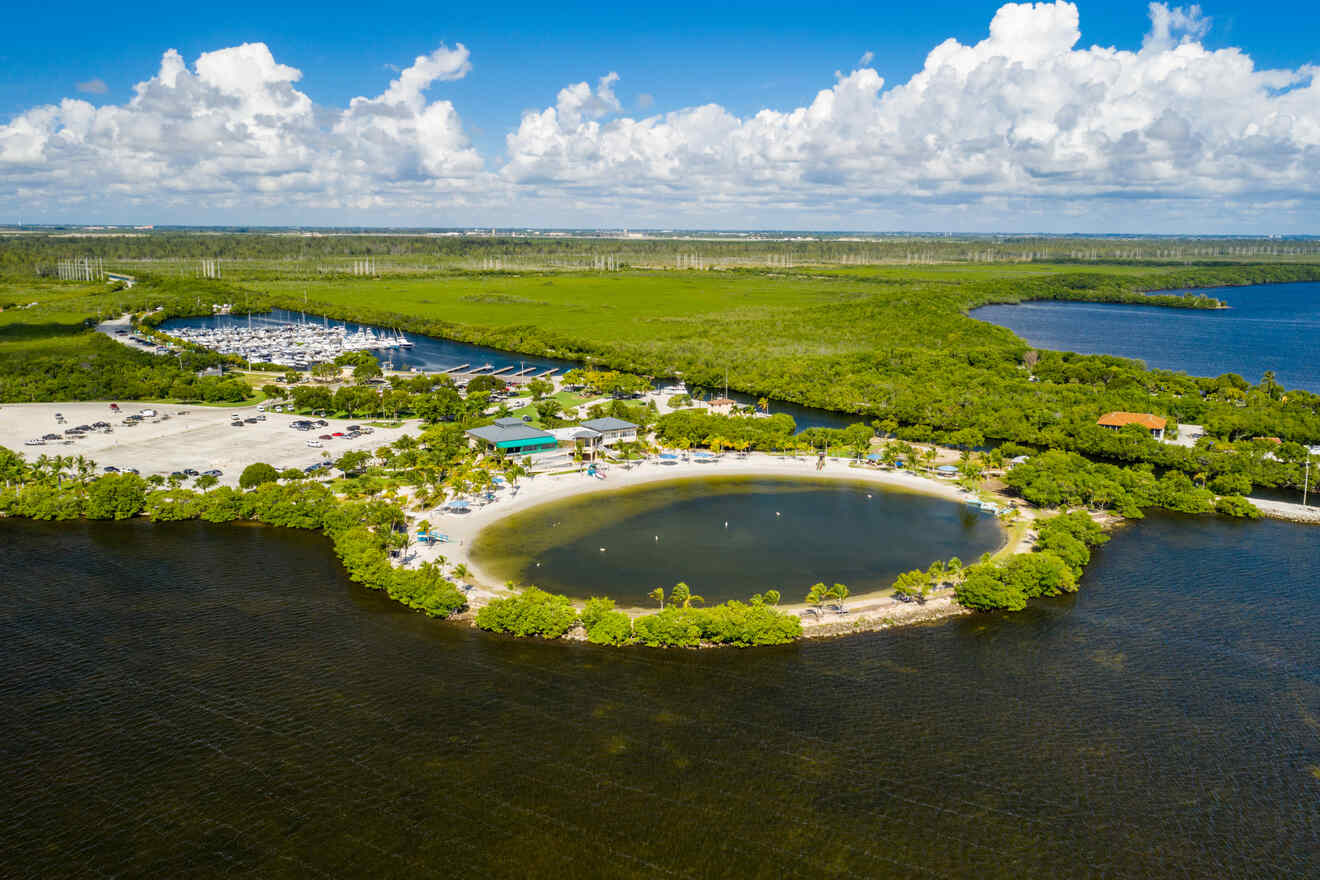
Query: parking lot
point(179, 437)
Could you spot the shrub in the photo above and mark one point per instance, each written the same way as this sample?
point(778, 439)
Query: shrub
point(257, 473)
point(983, 590)
point(610, 628)
point(671, 627)
point(1231, 484)
point(534, 612)
point(734, 623)
point(115, 496)
point(1039, 574)
point(1236, 505)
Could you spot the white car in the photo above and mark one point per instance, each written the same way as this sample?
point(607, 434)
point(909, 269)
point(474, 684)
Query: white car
point(147, 413)
point(314, 444)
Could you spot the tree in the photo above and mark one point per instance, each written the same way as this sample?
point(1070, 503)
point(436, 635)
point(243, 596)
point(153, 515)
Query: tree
point(540, 388)
point(326, 372)
point(484, 384)
point(364, 372)
point(115, 496)
point(658, 594)
point(548, 408)
point(839, 592)
point(352, 461)
point(817, 596)
point(256, 474)
point(206, 481)
point(682, 597)
point(274, 392)
point(914, 584)
point(983, 591)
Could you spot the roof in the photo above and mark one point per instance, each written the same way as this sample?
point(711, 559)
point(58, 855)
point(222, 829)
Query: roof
point(609, 424)
point(723, 401)
point(509, 422)
point(572, 433)
point(1146, 420)
point(509, 433)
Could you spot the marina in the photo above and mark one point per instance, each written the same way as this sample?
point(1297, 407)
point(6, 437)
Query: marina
point(278, 333)
point(299, 345)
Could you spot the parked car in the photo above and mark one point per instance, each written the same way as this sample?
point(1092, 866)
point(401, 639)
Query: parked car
point(325, 437)
point(129, 470)
point(337, 434)
point(191, 472)
point(51, 437)
point(34, 443)
point(315, 444)
point(213, 472)
point(250, 421)
point(147, 413)
point(110, 469)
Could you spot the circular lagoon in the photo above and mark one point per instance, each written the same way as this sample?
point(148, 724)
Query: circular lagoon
point(730, 537)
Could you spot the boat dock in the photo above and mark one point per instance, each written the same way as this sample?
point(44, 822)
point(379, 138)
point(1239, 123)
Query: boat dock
point(458, 369)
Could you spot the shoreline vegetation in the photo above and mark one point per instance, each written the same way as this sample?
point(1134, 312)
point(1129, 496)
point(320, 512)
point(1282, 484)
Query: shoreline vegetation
point(1044, 554)
point(891, 345)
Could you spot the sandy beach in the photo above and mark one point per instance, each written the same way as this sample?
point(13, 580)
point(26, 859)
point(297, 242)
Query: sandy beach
point(866, 611)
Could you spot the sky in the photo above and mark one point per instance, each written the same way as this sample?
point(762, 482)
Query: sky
point(943, 116)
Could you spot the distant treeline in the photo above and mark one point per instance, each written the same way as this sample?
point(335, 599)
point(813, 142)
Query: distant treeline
point(24, 254)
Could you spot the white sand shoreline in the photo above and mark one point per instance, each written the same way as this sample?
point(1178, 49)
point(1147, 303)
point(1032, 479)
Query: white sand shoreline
point(866, 611)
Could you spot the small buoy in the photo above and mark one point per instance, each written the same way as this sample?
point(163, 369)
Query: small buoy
point(868, 494)
point(726, 523)
point(657, 537)
point(776, 513)
point(538, 565)
point(602, 549)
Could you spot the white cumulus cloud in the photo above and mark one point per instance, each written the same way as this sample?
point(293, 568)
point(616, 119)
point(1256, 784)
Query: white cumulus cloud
point(234, 130)
point(1028, 128)
point(1024, 114)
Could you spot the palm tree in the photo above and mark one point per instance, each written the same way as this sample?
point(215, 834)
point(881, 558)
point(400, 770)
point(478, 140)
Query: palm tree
point(682, 596)
point(461, 571)
point(658, 594)
point(818, 595)
point(839, 592)
point(953, 568)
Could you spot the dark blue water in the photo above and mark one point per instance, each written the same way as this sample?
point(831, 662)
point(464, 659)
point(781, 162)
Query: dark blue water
point(430, 353)
point(205, 701)
point(1267, 327)
point(731, 537)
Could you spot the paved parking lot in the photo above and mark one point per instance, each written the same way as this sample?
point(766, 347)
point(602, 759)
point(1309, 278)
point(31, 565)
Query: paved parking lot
point(191, 437)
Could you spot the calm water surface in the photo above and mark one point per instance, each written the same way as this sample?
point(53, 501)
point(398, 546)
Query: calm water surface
point(205, 701)
point(433, 353)
point(730, 537)
point(1267, 327)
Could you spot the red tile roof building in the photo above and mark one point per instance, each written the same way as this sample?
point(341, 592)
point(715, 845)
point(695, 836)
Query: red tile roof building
point(1117, 420)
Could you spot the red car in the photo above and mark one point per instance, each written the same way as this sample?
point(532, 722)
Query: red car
point(114, 407)
point(339, 433)
point(325, 437)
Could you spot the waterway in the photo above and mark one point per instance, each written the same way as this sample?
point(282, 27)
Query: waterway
point(1266, 327)
point(731, 537)
point(430, 353)
point(194, 700)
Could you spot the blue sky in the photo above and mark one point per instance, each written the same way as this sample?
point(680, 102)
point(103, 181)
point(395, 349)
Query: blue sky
point(670, 58)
